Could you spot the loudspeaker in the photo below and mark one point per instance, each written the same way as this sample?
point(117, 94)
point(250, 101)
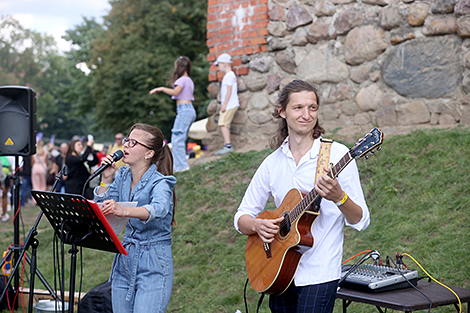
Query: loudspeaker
point(17, 121)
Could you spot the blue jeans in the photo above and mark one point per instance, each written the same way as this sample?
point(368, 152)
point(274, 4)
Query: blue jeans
point(25, 190)
point(143, 279)
point(318, 298)
point(185, 117)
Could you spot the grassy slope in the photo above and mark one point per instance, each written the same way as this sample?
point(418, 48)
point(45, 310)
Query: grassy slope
point(416, 188)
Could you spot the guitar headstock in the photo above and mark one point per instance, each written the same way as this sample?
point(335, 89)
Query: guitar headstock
point(370, 141)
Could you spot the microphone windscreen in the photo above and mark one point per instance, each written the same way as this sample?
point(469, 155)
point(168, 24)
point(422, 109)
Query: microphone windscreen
point(118, 155)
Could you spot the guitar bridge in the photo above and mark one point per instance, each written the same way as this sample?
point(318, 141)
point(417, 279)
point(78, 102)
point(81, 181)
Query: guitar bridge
point(267, 249)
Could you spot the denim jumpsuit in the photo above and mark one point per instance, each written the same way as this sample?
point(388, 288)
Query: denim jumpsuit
point(143, 279)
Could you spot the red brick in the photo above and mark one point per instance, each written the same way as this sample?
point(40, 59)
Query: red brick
point(264, 48)
point(211, 57)
point(261, 9)
point(212, 77)
point(224, 31)
point(246, 27)
point(213, 50)
point(257, 49)
point(253, 3)
point(219, 40)
point(245, 34)
point(225, 46)
point(218, 25)
point(211, 34)
point(263, 32)
point(211, 17)
point(211, 3)
point(263, 16)
point(245, 19)
point(261, 24)
point(210, 42)
point(253, 34)
point(228, 37)
point(243, 71)
point(228, 23)
point(210, 10)
point(245, 4)
point(258, 41)
point(237, 62)
point(248, 50)
point(246, 43)
point(210, 26)
point(262, 1)
point(239, 52)
point(213, 68)
point(227, 15)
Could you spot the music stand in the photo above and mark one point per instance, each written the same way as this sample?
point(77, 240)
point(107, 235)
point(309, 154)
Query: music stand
point(78, 222)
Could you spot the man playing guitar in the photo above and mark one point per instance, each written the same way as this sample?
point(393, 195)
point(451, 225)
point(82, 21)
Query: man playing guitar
point(293, 165)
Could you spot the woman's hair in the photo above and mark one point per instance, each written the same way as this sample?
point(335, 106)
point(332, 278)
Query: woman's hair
point(40, 147)
point(71, 149)
point(162, 156)
point(182, 64)
point(284, 98)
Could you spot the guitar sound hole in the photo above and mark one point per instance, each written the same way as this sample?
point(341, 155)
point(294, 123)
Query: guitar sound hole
point(284, 227)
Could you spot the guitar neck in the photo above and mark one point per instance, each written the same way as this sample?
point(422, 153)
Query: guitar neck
point(307, 201)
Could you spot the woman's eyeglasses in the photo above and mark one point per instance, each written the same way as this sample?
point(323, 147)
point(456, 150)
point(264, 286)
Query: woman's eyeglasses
point(133, 142)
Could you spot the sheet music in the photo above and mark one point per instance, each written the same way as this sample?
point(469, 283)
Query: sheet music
point(118, 223)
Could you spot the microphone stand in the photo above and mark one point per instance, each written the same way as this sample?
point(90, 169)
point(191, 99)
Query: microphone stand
point(32, 241)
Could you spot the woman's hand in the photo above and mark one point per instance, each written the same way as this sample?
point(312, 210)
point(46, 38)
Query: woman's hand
point(156, 90)
point(107, 174)
point(112, 207)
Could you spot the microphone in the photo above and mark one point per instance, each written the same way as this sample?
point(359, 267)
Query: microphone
point(116, 157)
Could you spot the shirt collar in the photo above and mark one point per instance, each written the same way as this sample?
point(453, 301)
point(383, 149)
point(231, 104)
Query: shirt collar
point(314, 151)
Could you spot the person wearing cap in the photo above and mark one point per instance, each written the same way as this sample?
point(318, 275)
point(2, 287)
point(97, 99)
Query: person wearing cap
point(183, 93)
point(230, 103)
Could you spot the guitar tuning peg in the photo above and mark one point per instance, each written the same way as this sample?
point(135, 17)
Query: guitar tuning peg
point(372, 152)
point(366, 157)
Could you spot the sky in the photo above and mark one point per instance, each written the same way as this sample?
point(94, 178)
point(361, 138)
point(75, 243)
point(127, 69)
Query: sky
point(54, 17)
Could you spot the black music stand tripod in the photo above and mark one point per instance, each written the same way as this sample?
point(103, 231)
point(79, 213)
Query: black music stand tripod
point(20, 250)
point(78, 222)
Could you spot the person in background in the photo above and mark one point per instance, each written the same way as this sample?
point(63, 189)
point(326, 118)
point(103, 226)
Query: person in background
point(5, 183)
point(40, 167)
point(78, 168)
point(230, 103)
point(59, 164)
point(117, 146)
point(142, 280)
point(27, 184)
point(293, 165)
point(102, 154)
point(183, 93)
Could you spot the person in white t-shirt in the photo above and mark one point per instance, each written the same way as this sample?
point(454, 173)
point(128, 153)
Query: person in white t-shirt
point(230, 103)
point(293, 165)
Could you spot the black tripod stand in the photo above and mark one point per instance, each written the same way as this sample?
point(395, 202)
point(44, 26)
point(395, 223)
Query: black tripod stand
point(20, 250)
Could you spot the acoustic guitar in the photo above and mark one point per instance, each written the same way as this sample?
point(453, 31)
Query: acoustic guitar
point(271, 266)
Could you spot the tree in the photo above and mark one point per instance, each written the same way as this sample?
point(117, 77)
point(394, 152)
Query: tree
point(28, 58)
point(136, 53)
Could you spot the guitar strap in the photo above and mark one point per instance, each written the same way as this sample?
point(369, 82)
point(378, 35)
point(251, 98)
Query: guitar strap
point(323, 159)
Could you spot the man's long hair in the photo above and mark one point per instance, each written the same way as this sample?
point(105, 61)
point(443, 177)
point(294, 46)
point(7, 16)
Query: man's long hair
point(284, 98)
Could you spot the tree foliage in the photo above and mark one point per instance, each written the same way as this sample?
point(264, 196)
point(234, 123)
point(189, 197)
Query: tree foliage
point(29, 58)
point(136, 53)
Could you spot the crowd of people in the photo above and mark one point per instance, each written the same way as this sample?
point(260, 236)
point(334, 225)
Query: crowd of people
point(142, 280)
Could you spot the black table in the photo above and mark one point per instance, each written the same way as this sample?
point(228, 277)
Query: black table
point(407, 299)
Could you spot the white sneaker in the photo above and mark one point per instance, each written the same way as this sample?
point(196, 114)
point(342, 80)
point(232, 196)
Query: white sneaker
point(224, 150)
point(183, 170)
point(5, 217)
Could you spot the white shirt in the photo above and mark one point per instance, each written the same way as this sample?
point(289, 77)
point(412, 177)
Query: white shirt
point(230, 80)
point(277, 175)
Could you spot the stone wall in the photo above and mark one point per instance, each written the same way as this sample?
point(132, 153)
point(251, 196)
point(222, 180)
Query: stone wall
point(396, 64)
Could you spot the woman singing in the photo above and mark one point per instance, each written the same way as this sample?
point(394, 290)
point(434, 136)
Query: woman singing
point(143, 279)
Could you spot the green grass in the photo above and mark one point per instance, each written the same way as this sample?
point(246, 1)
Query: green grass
point(417, 188)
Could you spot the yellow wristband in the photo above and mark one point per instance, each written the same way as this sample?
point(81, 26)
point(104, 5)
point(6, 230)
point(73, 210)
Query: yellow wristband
point(104, 185)
point(342, 200)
